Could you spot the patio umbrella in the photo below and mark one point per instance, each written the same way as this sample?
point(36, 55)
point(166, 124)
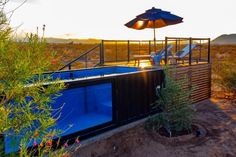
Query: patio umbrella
point(154, 18)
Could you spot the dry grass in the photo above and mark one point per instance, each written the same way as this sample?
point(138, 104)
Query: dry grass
point(224, 70)
point(67, 52)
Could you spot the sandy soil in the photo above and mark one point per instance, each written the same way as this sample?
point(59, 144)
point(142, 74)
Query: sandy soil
point(217, 116)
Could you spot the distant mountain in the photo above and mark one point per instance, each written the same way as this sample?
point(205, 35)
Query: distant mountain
point(225, 39)
point(77, 41)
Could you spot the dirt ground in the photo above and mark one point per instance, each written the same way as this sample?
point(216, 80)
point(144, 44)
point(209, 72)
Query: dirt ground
point(217, 116)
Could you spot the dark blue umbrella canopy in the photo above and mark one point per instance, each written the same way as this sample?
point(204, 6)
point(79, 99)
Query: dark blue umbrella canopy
point(154, 18)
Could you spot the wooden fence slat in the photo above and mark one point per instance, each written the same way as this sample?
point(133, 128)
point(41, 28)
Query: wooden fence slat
point(198, 77)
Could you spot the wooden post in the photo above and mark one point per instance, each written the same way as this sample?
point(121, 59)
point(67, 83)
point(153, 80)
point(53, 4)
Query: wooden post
point(209, 50)
point(128, 50)
point(190, 51)
point(166, 42)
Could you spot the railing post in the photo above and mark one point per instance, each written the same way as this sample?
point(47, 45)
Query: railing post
point(102, 53)
point(69, 66)
point(209, 50)
point(128, 51)
point(116, 51)
point(86, 61)
point(149, 46)
point(176, 45)
point(200, 50)
point(190, 51)
point(139, 47)
point(166, 42)
point(179, 44)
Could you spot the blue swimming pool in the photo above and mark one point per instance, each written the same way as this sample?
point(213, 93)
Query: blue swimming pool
point(89, 105)
point(78, 74)
point(83, 105)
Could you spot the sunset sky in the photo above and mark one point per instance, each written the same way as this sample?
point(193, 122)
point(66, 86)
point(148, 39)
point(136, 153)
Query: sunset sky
point(105, 19)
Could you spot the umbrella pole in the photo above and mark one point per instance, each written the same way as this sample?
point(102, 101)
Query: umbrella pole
point(154, 29)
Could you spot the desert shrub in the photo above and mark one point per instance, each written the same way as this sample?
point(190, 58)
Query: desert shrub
point(175, 104)
point(225, 72)
point(223, 69)
point(229, 82)
point(49, 147)
point(25, 109)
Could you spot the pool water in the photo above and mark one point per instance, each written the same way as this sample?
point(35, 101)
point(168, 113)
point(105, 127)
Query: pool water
point(81, 107)
point(75, 74)
point(84, 107)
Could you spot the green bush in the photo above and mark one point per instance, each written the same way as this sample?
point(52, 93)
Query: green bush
point(25, 109)
point(175, 103)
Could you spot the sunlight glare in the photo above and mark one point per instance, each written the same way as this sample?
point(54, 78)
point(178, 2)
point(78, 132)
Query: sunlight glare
point(144, 64)
point(140, 24)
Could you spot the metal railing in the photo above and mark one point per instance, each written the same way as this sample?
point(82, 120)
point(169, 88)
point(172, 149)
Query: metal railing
point(199, 53)
point(124, 50)
point(90, 58)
